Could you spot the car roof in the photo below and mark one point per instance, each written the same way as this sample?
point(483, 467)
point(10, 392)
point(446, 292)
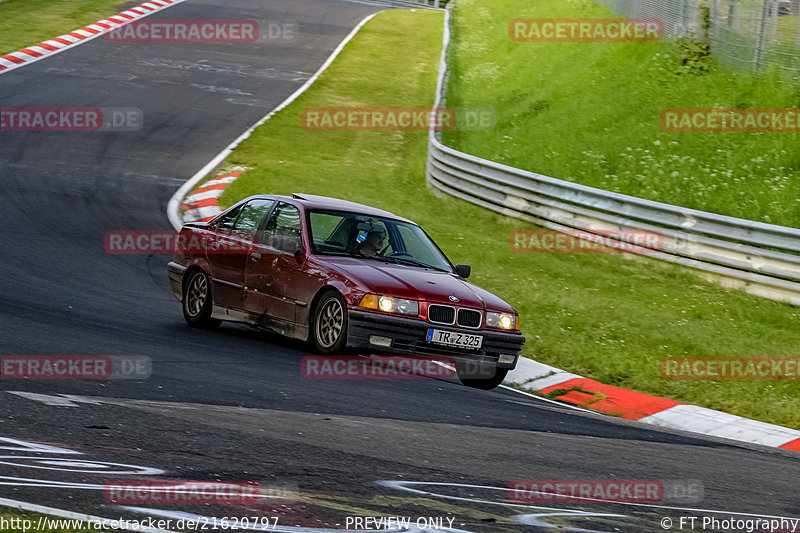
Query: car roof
point(312, 201)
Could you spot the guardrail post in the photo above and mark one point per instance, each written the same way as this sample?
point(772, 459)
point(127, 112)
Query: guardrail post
point(734, 14)
point(768, 13)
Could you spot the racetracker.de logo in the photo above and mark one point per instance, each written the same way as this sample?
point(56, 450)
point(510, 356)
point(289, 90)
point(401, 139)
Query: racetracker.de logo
point(175, 492)
point(585, 30)
point(583, 490)
point(75, 367)
point(169, 242)
point(731, 120)
point(76, 119)
point(577, 241)
point(730, 368)
point(377, 119)
point(202, 31)
point(396, 119)
point(644, 491)
point(376, 367)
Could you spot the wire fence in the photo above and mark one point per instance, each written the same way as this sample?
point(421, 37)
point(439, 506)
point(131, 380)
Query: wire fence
point(759, 258)
point(753, 34)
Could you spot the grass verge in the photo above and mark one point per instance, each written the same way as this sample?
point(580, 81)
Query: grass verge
point(605, 316)
point(589, 113)
point(28, 22)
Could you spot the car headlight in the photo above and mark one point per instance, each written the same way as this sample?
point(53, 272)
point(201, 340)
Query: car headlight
point(501, 320)
point(388, 304)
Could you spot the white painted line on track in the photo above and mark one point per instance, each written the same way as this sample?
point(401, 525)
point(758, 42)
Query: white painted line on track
point(45, 399)
point(62, 400)
point(404, 485)
point(529, 395)
point(174, 205)
point(34, 508)
point(548, 400)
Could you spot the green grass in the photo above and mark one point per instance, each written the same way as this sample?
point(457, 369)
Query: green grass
point(28, 22)
point(606, 316)
point(589, 113)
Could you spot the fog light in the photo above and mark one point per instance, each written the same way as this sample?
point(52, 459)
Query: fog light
point(377, 340)
point(506, 359)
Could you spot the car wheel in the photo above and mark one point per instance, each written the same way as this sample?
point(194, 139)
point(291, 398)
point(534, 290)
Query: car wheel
point(477, 377)
point(329, 331)
point(197, 304)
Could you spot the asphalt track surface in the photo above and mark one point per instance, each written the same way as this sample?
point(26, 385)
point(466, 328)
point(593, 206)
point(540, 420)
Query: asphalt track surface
point(232, 404)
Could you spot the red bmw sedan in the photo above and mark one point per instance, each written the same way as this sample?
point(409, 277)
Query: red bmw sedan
point(343, 276)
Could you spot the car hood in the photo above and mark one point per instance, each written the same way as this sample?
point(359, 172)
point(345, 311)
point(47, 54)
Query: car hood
point(403, 281)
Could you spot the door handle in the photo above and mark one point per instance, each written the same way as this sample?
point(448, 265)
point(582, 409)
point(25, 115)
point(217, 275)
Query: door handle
point(255, 256)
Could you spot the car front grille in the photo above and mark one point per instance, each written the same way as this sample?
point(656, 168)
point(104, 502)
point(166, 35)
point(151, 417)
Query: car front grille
point(441, 314)
point(445, 314)
point(469, 318)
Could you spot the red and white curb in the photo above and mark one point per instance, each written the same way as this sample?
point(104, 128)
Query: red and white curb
point(28, 55)
point(202, 204)
point(631, 405)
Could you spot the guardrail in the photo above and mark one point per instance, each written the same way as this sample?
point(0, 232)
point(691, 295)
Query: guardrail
point(756, 257)
point(438, 4)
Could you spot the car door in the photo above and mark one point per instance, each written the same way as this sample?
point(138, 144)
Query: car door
point(275, 265)
point(227, 255)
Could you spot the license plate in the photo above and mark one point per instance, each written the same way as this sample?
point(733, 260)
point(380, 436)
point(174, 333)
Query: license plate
point(453, 338)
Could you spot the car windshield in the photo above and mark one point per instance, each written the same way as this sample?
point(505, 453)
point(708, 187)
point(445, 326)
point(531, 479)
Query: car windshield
point(371, 237)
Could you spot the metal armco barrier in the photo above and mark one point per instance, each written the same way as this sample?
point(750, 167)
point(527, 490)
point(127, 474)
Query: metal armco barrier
point(756, 257)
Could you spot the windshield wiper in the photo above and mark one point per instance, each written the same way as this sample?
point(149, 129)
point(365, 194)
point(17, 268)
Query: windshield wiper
point(356, 254)
point(386, 259)
point(413, 262)
point(338, 252)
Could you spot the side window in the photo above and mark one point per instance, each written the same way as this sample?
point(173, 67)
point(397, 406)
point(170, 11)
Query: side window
point(283, 229)
point(250, 218)
point(226, 222)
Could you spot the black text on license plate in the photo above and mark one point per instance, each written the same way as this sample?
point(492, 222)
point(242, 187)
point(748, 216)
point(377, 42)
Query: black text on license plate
point(454, 338)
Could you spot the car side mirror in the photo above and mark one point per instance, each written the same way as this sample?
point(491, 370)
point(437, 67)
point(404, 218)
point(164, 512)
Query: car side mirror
point(463, 270)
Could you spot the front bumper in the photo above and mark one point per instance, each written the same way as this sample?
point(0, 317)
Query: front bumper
point(408, 337)
point(175, 272)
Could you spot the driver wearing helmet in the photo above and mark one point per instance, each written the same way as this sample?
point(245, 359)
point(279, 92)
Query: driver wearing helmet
point(372, 244)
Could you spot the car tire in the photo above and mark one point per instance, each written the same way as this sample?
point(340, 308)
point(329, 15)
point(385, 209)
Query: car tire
point(329, 324)
point(477, 378)
point(197, 302)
